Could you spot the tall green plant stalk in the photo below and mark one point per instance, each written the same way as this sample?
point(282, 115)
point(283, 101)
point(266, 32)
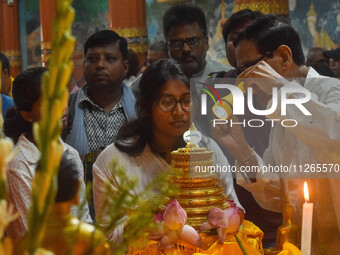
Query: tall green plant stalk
point(48, 130)
point(120, 199)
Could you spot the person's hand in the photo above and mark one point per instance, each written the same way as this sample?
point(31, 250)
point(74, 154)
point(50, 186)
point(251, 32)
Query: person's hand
point(262, 77)
point(232, 138)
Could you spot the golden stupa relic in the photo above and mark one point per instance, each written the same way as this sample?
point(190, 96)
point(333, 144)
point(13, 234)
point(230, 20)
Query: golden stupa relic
point(198, 191)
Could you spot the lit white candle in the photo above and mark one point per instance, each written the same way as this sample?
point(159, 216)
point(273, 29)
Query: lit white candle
point(307, 219)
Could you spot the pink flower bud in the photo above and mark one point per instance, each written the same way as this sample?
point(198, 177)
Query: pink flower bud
point(190, 235)
point(158, 217)
point(169, 240)
point(174, 216)
point(206, 226)
point(234, 220)
point(231, 203)
point(158, 232)
point(219, 218)
point(229, 219)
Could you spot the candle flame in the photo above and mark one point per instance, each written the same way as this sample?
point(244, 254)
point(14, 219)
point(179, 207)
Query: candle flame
point(306, 193)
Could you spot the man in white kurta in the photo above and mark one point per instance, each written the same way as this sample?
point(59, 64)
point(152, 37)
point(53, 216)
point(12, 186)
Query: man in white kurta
point(315, 140)
point(269, 54)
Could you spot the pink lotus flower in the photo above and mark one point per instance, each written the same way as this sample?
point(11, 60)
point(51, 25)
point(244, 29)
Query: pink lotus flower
point(226, 221)
point(171, 227)
point(158, 217)
point(174, 216)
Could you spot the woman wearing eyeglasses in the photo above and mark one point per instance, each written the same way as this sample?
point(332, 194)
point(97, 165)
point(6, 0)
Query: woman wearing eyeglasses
point(144, 145)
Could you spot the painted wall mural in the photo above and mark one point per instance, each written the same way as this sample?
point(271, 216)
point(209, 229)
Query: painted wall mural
point(317, 22)
point(32, 20)
point(91, 16)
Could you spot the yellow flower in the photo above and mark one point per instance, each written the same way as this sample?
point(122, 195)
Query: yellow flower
point(7, 215)
point(41, 251)
point(6, 155)
point(6, 246)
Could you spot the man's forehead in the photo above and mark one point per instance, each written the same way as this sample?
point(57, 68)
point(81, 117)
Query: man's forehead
point(245, 50)
point(111, 47)
point(245, 45)
point(186, 30)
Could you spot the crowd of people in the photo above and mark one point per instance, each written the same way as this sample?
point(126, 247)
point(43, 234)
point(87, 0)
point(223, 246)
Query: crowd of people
point(140, 114)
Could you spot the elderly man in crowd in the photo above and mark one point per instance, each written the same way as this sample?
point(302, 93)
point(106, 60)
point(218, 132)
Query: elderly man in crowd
point(270, 55)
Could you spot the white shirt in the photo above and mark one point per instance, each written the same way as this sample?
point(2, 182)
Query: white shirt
point(146, 167)
point(316, 139)
point(20, 173)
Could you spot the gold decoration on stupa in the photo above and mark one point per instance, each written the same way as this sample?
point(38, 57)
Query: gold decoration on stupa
point(320, 38)
point(280, 7)
point(311, 13)
point(198, 194)
point(172, 1)
point(198, 189)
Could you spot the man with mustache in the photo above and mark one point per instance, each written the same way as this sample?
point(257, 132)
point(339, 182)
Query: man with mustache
point(104, 103)
point(269, 54)
point(185, 31)
point(186, 34)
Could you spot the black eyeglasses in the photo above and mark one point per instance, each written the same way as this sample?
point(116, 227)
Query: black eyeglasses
point(245, 66)
point(178, 44)
point(168, 103)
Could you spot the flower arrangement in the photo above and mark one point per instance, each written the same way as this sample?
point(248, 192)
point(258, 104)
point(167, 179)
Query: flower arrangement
point(122, 205)
point(171, 228)
point(227, 221)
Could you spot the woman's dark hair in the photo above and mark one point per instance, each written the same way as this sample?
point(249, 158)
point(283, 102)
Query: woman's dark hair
point(26, 91)
point(133, 136)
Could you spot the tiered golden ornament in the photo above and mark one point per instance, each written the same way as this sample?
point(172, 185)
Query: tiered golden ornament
point(198, 193)
point(198, 189)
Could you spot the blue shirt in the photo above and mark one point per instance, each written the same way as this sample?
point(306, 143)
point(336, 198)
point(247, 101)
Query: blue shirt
point(7, 102)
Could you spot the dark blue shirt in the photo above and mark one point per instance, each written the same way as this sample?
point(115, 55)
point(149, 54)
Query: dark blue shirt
point(7, 102)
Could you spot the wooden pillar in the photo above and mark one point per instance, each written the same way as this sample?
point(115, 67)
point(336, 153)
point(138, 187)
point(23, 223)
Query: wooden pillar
point(279, 7)
point(128, 19)
point(9, 31)
point(48, 11)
